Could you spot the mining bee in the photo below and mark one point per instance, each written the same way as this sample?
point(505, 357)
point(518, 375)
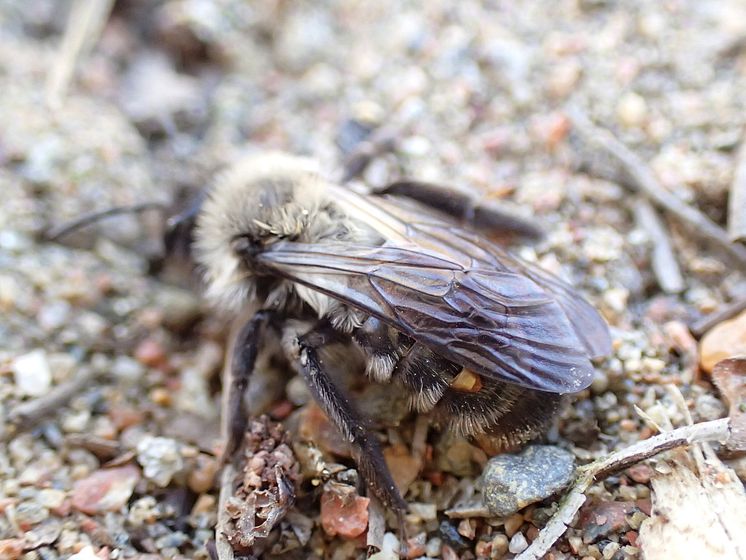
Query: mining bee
point(484, 341)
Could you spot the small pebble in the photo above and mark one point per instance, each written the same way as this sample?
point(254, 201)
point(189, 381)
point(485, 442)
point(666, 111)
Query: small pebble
point(513, 523)
point(423, 512)
point(161, 396)
point(640, 473)
point(51, 498)
point(204, 504)
point(105, 490)
point(518, 543)
point(403, 466)
point(160, 458)
point(150, 353)
point(28, 514)
point(632, 110)
point(389, 549)
point(87, 553)
point(450, 534)
point(500, 544)
point(32, 374)
point(12, 548)
point(127, 369)
point(610, 550)
point(512, 482)
point(344, 513)
point(416, 545)
point(448, 553)
point(467, 528)
point(433, 547)
point(202, 478)
point(180, 307)
point(709, 407)
point(604, 518)
point(725, 340)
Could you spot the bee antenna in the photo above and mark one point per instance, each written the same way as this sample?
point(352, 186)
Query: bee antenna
point(56, 233)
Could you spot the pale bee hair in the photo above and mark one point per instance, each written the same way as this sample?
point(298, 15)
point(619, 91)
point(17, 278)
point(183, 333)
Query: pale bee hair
point(268, 196)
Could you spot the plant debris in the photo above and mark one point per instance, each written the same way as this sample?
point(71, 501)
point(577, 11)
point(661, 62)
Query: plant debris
point(265, 487)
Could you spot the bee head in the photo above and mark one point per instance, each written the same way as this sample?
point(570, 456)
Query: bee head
point(261, 200)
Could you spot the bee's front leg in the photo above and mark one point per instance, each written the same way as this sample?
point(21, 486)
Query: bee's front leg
point(245, 350)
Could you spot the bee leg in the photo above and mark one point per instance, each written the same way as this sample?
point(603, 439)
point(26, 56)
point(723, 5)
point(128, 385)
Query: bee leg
point(177, 239)
point(365, 447)
point(245, 350)
point(376, 340)
point(424, 375)
point(486, 216)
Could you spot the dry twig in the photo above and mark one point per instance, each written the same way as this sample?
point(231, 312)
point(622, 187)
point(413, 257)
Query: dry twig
point(630, 171)
point(664, 263)
point(715, 430)
point(26, 415)
point(223, 546)
point(726, 312)
point(84, 25)
point(737, 199)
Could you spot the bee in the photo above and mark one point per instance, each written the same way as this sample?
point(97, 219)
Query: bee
point(484, 341)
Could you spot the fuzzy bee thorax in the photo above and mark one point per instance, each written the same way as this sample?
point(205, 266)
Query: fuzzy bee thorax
point(258, 202)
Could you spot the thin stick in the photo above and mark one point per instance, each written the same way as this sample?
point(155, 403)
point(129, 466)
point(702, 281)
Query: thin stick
point(222, 544)
point(665, 267)
point(28, 414)
point(737, 198)
point(726, 312)
point(714, 430)
point(84, 25)
point(637, 175)
point(58, 232)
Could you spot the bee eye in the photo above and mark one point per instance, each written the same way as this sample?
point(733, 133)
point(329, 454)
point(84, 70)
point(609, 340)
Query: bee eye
point(241, 244)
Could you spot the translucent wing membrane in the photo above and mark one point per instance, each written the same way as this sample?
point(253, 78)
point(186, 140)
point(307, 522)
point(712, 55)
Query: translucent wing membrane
point(461, 296)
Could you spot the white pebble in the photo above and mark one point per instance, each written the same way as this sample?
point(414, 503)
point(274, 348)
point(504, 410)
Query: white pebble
point(423, 512)
point(32, 374)
point(127, 369)
point(390, 550)
point(433, 546)
point(632, 110)
point(160, 458)
point(86, 554)
point(518, 543)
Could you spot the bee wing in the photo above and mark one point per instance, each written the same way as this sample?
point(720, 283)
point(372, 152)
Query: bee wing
point(497, 322)
point(412, 223)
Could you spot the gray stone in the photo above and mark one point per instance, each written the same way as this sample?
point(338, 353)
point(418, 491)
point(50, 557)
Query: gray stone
point(512, 482)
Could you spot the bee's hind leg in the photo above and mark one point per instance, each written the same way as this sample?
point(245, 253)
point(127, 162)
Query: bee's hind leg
point(484, 215)
point(365, 447)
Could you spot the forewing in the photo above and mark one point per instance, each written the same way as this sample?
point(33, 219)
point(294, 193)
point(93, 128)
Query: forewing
point(408, 221)
point(499, 323)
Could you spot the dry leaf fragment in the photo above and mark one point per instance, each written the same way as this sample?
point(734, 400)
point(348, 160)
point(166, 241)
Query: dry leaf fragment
point(695, 517)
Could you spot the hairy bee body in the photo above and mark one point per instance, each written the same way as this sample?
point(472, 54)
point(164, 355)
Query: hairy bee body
point(274, 231)
point(485, 341)
point(279, 201)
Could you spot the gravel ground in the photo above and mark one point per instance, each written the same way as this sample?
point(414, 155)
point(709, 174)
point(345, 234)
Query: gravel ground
point(175, 90)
